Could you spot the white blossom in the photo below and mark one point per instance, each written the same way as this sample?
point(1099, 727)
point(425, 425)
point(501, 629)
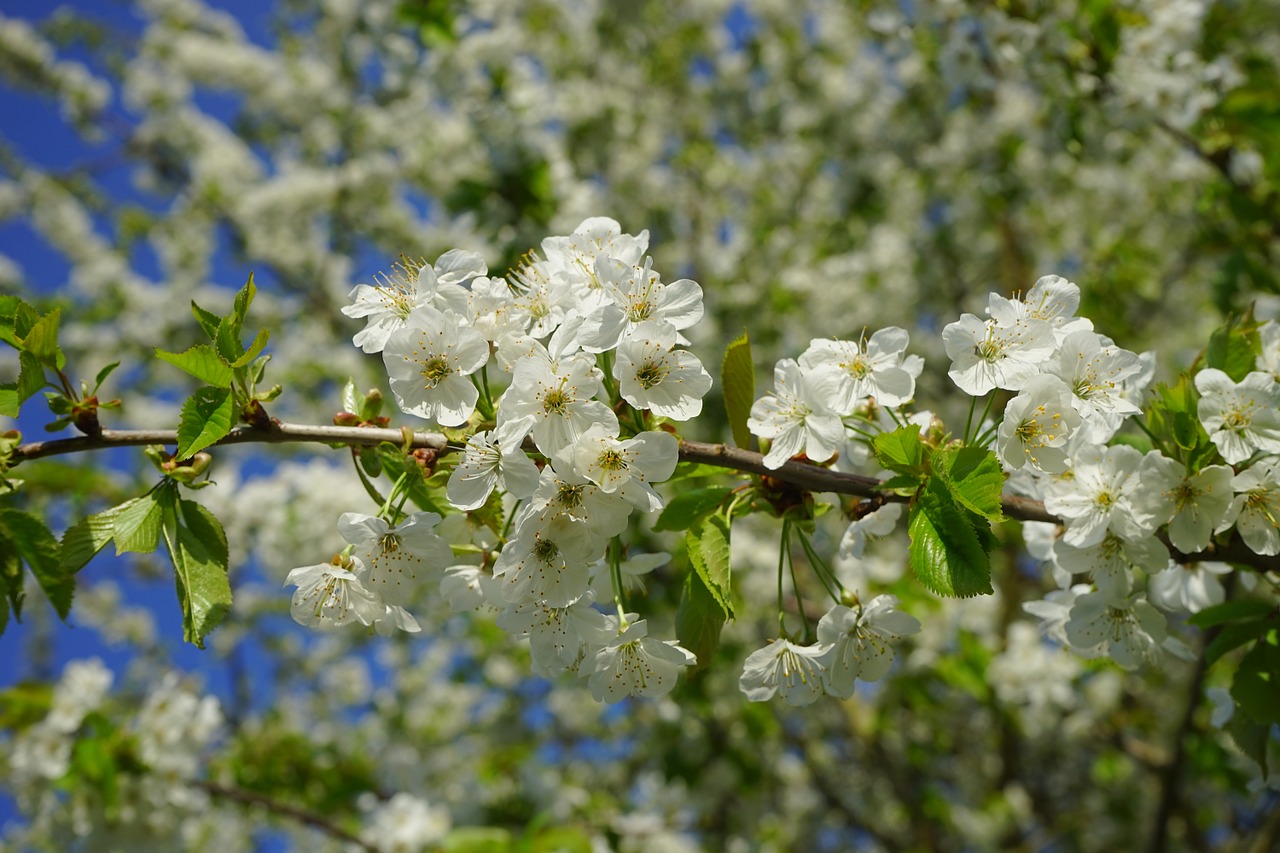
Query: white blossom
point(798, 415)
point(793, 671)
point(429, 362)
point(635, 664)
point(861, 641)
point(1240, 417)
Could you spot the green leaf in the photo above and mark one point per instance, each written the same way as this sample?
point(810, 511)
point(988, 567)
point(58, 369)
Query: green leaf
point(103, 374)
point(207, 319)
point(477, 839)
point(699, 620)
point(707, 542)
point(259, 341)
point(197, 548)
point(738, 380)
point(227, 337)
point(1231, 611)
point(9, 405)
point(902, 484)
point(206, 418)
point(946, 552)
point(901, 450)
point(39, 550)
point(688, 507)
point(42, 340)
point(1234, 346)
point(30, 378)
point(135, 524)
point(1256, 688)
point(83, 540)
point(1252, 738)
point(11, 584)
point(974, 477)
point(350, 400)
point(1232, 637)
point(203, 363)
point(25, 319)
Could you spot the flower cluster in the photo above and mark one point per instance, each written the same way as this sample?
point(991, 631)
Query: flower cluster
point(581, 333)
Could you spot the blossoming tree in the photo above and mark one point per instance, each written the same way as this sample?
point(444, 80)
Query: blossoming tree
point(964, 534)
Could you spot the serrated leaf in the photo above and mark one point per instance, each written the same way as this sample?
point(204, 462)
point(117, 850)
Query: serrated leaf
point(1231, 611)
point(25, 318)
point(738, 381)
point(1256, 687)
point(902, 484)
point(946, 553)
point(707, 542)
point(259, 341)
point(42, 340)
point(204, 525)
point(83, 540)
point(30, 377)
point(1251, 738)
point(207, 319)
point(688, 507)
point(699, 620)
point(901, 450)
point(135, 525)
point(244, 298)
point(974, 477)
point(227, 338)
point(29, 537)
point(199, 566)
point(203, 363)
point(206, 417)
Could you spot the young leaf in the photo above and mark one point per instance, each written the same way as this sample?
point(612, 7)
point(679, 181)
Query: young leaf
point(207, 319)
point(1234, 346)
point(39, 550)
point(699, 620)
point(350, 401)
point(901, 450)
point(42, 341)
point(259, 341)
point(9, 405)
point(203, 363)
point(707, 542)
point(206, 417)
point(103, 374)
point(135, 524)
point(688, 507)
point(946, 552)
point(227, 337)
point(974, 477)
point(30, 377)
point(199, 565)
point(83, 540)
point(738, 379)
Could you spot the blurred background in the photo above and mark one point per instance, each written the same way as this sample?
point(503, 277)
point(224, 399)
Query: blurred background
point(820, 168)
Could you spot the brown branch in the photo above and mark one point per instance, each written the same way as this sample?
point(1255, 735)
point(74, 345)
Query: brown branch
point(305, 816)
point(809, 477)
point(280, 433)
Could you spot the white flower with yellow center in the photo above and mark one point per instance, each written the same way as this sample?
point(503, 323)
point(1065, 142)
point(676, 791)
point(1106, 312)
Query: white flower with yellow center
point(1096, 374)
point(407, 289)
point(1240, 417)
point(396, 559)
point(862, 641)
point(429, 363)
point(626, 466)
point(797, 416)
point(792, 671)
point(635, 664)
point(653, 375)
point(485, 462)
point(330, 595)
point(1003, 352)
point(1193, 504)
point(1098, 495)
point(553, 401)
point(1036, 426)
point(1255, 509)
point(874, 367)
point(1130, 631)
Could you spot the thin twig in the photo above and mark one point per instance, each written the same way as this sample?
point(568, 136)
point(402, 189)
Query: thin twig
point(305, 816)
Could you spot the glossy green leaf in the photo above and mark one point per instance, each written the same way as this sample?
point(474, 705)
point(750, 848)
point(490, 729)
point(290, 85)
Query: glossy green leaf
point(901, 450)
point(707, 542)
point(1251, 738)
point(83, 540)
point(259, 341)
point(197, 548)
point(1234, 347)
point(203, 363)
point(206, 417)
point(946, 552)
point(687, 507)
point(974, 477)
point(42, 340)
point(738, 381)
